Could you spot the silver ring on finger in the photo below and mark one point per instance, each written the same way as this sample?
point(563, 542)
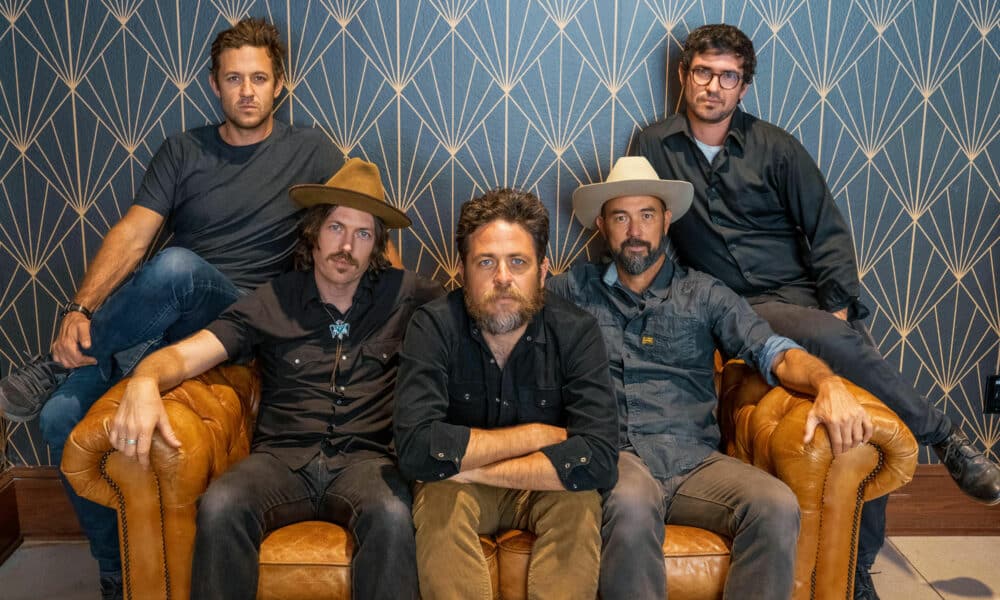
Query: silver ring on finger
point(131, 442)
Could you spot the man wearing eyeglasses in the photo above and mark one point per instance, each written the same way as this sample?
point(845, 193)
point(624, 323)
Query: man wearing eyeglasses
point(764, 222)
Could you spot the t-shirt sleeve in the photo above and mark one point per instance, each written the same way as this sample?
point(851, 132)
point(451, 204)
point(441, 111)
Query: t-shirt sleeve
point(234, 327)
point(158, 188)
point(328, 159)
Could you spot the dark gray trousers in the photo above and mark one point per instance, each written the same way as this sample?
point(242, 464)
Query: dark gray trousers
point(260, 494)
point(722, 494)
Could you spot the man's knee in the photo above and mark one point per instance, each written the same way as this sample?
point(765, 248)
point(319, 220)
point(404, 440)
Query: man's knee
point(222, 507)
point(388, 518)
point(441, 506)
point(773, 511)
point(803, 324)
point(59, 416)
point(631, 511)
point(171, 263)
point(560, 509)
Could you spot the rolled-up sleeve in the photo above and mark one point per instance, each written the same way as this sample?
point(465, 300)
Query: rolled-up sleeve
point(741, 332)
point(429, 448)
point(588, 459)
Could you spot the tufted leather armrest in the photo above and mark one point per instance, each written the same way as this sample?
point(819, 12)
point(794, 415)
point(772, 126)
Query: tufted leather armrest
point(765, 427)
point(213, 417)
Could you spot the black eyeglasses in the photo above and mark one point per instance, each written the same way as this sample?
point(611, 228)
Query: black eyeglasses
point(727, 79)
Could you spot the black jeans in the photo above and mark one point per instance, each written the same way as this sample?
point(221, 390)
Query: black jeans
point(260, 494)
point(849, 350)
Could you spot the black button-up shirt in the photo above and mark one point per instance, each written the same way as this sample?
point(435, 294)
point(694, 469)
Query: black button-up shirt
point(661, 347)
point(320, 393)
point(763, 220)
point(556, 374)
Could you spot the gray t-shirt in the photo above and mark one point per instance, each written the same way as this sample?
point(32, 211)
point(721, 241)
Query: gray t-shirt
point(229, 204)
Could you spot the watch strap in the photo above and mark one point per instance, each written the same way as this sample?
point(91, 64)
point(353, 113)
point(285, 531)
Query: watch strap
point(74, 307)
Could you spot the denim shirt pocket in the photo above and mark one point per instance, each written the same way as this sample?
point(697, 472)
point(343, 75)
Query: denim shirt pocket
point(681, 341)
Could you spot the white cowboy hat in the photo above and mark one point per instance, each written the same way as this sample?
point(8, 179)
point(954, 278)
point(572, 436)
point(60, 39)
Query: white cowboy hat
point(631, 176)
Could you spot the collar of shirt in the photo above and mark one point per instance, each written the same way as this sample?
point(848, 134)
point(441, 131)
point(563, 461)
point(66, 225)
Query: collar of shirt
point(737, 128)
point(363, 296)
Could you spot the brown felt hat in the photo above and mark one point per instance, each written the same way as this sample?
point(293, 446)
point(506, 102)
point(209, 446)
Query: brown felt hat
point(356, 185)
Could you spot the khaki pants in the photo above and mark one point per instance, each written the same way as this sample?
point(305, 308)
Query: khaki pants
point(449, 517)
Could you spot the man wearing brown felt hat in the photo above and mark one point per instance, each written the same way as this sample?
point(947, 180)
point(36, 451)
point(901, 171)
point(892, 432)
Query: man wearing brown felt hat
point(326, 338)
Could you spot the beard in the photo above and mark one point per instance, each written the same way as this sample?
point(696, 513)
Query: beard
point(637, 264)
point(497, 322)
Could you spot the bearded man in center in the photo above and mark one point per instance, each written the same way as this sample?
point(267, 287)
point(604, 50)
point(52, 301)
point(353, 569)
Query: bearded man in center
point(505, 413)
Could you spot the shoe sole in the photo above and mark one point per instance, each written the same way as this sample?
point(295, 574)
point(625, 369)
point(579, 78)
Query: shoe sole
point(14, 417)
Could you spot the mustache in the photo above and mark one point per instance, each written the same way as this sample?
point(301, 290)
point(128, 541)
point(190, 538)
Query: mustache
point(505, 293)
point(634, 241)
point(342, 255)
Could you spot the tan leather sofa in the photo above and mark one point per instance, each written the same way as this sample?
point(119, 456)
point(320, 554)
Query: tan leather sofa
point(213, 416)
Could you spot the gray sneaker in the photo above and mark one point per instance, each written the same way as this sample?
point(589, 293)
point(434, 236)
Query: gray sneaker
point(25, 390)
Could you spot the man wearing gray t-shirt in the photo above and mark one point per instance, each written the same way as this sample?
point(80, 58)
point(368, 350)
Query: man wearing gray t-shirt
point(222, 191)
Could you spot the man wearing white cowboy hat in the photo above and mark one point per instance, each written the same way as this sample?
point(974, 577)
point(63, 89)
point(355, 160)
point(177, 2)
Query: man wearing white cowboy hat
point(326, 338)
point(661, 324)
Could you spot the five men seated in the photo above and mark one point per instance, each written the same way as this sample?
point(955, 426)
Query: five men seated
point(582, 409)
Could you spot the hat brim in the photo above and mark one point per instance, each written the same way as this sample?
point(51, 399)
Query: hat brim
point(310, 194)
point(588, 199)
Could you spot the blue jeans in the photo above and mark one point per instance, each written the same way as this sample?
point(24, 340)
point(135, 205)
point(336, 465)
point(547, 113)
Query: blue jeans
point(368, 497)
point(850, 351)
point(173, 295)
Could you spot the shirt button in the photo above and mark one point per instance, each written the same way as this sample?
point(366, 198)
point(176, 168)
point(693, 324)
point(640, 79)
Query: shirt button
point(466, 396)
point(528, 338)
point(583, 459)
point(498, 399)
point(344, 357)
point(746, 274)
point(440, 454)
point(297, 361)
point(567, 465)
point(542, 403)
point(384, 355)
point(573, 486)
point(493, 361)
point(440, 475)
point(342, 388)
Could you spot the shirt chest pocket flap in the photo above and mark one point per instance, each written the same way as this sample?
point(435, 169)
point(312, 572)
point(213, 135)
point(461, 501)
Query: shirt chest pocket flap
point(539, 405)
point(676, 340)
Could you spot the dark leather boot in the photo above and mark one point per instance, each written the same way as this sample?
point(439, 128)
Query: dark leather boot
point(976, 475)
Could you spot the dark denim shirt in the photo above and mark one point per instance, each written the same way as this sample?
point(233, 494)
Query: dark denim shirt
point(661, 347)
point(763, 220)
point(556, 374)
point(318, 394)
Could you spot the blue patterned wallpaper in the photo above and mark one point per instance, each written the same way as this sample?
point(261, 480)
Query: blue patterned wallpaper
point(896, 100)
